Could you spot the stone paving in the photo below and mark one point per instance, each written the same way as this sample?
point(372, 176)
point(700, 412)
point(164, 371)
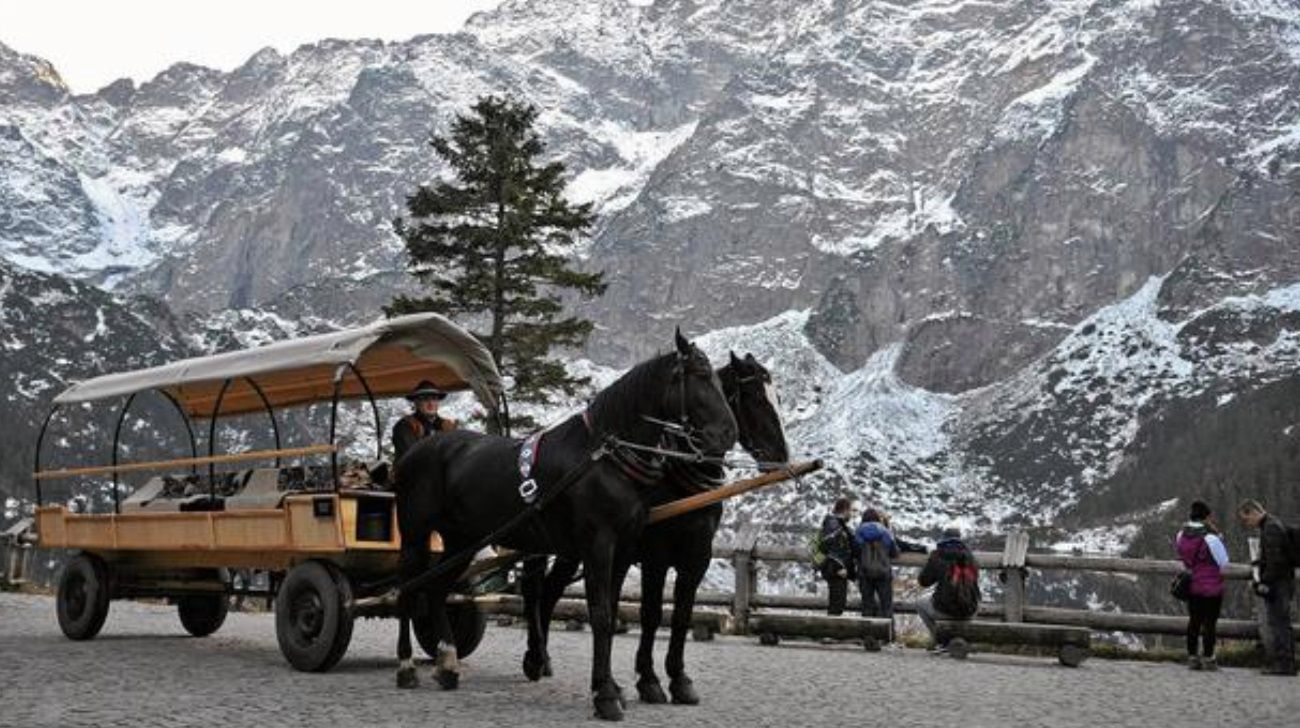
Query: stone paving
point(143, 671)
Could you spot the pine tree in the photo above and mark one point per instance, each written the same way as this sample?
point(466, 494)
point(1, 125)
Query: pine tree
point(491, 246)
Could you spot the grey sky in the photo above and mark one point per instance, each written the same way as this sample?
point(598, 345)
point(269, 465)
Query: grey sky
point(94, 42)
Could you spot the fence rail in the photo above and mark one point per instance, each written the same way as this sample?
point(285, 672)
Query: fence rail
point(734, 611)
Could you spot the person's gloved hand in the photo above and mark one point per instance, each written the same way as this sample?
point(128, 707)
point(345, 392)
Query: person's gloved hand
point(842, 573)
point(1263, 590)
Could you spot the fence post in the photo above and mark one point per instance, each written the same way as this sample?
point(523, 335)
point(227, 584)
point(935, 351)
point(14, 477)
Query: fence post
point(15, 553)
point(746, 570)
point(1013, 574)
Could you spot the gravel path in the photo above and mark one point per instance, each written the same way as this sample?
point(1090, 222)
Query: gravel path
point(143, 671)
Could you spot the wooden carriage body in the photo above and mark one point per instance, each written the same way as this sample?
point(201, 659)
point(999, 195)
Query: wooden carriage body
point(325, 533)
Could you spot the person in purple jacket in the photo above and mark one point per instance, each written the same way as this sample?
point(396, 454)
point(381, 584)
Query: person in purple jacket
point(1202, 551)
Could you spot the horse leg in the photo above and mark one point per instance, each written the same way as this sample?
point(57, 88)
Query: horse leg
point(653, 575)
point(446, 669)
point(411, 562)
point(557, 580)
point(599, 579)
point(531, 585)
point(622, 563)
point(689, 577)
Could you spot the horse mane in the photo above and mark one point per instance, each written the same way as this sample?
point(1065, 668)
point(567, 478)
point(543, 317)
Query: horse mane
point(617, 409)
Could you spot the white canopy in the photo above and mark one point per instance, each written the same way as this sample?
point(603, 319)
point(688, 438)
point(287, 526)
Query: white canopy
point(391, 355)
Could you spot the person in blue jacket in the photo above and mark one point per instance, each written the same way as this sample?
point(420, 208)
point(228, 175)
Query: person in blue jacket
point(877, 549)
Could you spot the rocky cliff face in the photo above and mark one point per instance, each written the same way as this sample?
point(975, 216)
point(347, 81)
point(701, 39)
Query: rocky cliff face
point(990, 247)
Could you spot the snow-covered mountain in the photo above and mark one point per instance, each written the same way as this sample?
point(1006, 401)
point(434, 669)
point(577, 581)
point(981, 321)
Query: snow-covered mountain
point(993, 250)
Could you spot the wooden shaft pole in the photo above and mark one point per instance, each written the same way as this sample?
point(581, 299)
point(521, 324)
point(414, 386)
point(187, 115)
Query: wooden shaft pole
point(165, 464)
point(731, 490)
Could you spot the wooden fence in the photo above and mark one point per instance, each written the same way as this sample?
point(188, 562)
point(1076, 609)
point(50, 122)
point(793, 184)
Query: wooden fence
point(734, 612)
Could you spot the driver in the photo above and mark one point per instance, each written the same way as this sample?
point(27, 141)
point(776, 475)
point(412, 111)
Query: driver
point(423, 421)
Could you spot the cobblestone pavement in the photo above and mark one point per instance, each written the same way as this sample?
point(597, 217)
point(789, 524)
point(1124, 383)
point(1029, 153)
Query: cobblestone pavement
point(142, 671)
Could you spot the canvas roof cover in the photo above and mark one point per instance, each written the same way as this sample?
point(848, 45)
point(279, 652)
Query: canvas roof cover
point(392, 355)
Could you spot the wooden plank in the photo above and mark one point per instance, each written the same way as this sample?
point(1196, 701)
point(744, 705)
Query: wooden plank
point(310, 530)
point(1140, 623)
point(820, 625)
point(731, 490)
point(576, 609)
point(168, 529)
point(250, 529)
point(999, 633)
point(184, 462)
point(993, 560)
point(51, 531)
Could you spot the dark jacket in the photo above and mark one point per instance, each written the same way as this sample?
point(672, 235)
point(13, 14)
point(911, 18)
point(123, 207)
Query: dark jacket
point(948, 556)
point(1274, 552)
point(411, 428)
point(837, 541)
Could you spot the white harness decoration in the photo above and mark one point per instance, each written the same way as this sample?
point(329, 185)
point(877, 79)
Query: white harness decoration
point(527, 459)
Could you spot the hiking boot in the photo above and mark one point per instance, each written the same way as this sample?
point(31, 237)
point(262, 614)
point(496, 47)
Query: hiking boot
point(1209, 664)
point(1194, 662)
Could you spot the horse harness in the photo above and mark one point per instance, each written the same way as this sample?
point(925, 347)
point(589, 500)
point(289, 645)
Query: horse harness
point(644, 464)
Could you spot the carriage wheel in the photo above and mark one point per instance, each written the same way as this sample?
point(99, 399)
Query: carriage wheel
point(201, 615)
point(82, 603)
point(468, 624)
point(313, 622)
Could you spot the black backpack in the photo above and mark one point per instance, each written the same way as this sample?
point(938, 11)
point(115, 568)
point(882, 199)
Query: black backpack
point(1293, 540)
point(874, 561)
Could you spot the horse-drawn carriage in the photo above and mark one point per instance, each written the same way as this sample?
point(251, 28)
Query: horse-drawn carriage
point(330, 537)
point(326, 534)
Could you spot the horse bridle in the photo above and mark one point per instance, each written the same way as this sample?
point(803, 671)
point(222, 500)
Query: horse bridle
point(683, 430)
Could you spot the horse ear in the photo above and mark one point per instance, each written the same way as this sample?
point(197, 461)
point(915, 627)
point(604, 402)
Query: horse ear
point(735, 361)
point(683, 346)
point(750, 358)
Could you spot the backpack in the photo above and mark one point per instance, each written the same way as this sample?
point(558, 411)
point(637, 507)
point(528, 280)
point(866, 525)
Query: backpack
point(964, 579)
point(817, 550)
point(1293, 539)
point(875, 560)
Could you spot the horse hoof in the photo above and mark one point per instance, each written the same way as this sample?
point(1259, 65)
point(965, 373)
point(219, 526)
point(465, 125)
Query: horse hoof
point(407, 679)
point(609, 702)
point(609, 708)
point(546, 668)
point(683, 691)
point(446, 679)
point(651, 691)
point(534, 669)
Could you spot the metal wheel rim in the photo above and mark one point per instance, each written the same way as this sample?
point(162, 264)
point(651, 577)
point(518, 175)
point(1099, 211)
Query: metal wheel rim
point(307, 615)
point(75, 596)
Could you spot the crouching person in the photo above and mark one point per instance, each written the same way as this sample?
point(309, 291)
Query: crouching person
point(955, 576)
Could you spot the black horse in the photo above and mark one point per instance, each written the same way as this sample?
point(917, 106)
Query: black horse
point(467, 485)
point(683, 543)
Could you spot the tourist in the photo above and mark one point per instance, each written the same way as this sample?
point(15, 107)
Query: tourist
point(1202, 552)
point(954, 573)
point(837, 545)
point(1275, 584)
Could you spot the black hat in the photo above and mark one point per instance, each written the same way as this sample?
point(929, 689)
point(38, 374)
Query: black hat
point(426, 389)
